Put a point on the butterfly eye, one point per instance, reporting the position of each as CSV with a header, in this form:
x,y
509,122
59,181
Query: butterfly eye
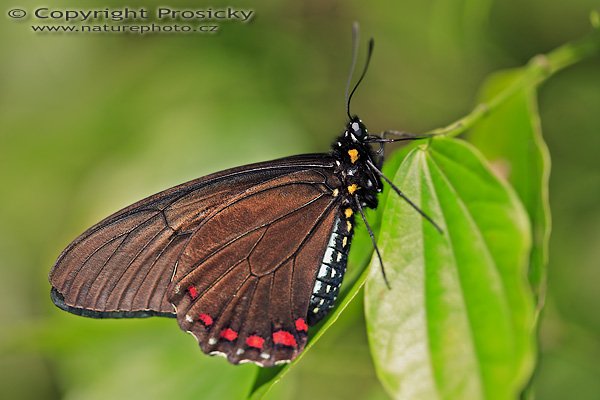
x,y
357,129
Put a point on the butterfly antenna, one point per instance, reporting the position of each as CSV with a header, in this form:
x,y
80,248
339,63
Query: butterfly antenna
x,y
355,37
372,235
409,201
365,68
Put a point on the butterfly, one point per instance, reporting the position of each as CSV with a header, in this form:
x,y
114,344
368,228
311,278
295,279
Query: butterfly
x,y
246,259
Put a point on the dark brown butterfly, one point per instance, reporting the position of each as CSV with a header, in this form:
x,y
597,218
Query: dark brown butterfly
x,y
245,259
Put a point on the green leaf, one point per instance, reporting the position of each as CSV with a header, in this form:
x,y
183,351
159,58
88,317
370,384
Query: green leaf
x,y
511,139
458,321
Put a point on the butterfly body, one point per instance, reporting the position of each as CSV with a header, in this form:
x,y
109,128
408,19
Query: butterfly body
x,y
357,183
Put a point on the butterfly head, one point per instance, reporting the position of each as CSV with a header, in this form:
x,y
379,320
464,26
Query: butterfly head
x,y
356,130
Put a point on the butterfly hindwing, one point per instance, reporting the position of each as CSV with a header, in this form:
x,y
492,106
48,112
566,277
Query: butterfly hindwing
x,y
245,293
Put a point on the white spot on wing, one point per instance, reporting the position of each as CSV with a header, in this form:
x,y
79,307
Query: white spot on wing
x,y
252,361
218,353
265,356
188,318
240,351
212,341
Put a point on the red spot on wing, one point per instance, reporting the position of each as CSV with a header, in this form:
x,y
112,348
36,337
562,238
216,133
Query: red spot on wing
x,y
229,334
193,292
285,338
301,325
255,341
206,319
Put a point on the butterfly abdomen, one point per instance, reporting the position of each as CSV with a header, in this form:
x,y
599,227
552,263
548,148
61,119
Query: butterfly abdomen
x,y
332,269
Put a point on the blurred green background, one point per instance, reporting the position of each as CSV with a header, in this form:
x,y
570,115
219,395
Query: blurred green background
x,y
92,122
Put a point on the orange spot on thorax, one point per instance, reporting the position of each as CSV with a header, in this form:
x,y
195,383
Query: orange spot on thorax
x,y
352,188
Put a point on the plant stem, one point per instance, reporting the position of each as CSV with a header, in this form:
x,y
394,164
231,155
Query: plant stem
x,y
538,70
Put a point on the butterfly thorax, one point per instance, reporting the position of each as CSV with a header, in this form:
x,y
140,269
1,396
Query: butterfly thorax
x,y
354,154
